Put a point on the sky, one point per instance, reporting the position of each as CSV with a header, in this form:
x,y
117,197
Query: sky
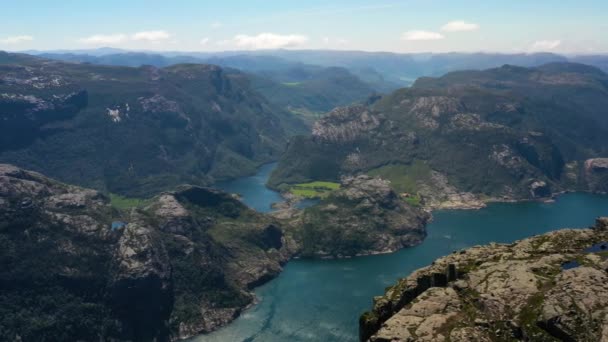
x,y
560,26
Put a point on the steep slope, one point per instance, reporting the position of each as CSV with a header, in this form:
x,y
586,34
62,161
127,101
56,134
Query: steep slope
x,y
75,268
315,91
507,133
135,130
551,287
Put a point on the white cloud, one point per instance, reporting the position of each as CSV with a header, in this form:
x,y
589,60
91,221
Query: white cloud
x,y
151,36
421,35
544,45
459,26
204,41
16,39
216,25
269,41
335,41
105,39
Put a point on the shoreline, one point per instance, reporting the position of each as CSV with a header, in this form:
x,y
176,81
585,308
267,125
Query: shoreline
x,y
256,300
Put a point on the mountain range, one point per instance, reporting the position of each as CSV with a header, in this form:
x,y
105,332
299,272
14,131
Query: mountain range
x,y
136,131
502,133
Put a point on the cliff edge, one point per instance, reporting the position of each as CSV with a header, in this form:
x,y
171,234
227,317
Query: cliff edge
x,y
552,287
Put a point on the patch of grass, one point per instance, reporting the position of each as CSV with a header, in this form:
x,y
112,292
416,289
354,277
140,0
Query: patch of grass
x,y
314,189
309,115
403,178
414,201
124,203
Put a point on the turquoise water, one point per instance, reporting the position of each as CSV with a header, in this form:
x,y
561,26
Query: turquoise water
x,y
321,300
253,190
255,194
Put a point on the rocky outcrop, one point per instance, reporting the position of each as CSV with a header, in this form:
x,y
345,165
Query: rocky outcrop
x,y
545,288
182,265
345,124
364,217
596,174
141,284
438,193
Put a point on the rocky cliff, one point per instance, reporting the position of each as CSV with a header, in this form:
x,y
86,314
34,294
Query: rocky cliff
x,y
552,287
135,131
364,217
508,133
75,268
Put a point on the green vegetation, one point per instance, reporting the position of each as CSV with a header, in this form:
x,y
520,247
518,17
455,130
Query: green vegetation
x,y
292,84
125,203
314,189
413,200
134,136
481,138
403,178
317,89
306,114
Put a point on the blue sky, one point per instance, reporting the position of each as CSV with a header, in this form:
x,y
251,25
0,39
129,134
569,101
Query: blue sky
x,y
402,26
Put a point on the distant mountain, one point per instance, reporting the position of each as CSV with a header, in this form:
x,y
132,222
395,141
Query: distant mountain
x,y
132,59
403,69
598,61
395,68
303,87
139,130
508,133
299,87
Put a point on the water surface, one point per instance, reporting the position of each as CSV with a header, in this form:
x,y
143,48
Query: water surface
x,y
253,190
320,300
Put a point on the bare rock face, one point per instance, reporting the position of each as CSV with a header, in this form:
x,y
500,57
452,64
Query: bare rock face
x,y
429,109
141,283
596,174
438,193
546,288
364,217
345,124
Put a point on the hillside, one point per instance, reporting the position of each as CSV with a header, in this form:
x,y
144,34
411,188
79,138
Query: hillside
x,y
364,216
550,287
299,87
136,131
504,133
76,267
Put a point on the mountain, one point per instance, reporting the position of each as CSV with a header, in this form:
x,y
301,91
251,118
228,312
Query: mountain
x,y
132,59
458,140
75,267
598,61
136,131
295,86
551,287
78,265
403,69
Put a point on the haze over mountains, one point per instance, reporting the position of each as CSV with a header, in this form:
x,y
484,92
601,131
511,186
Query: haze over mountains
x,y
402,69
